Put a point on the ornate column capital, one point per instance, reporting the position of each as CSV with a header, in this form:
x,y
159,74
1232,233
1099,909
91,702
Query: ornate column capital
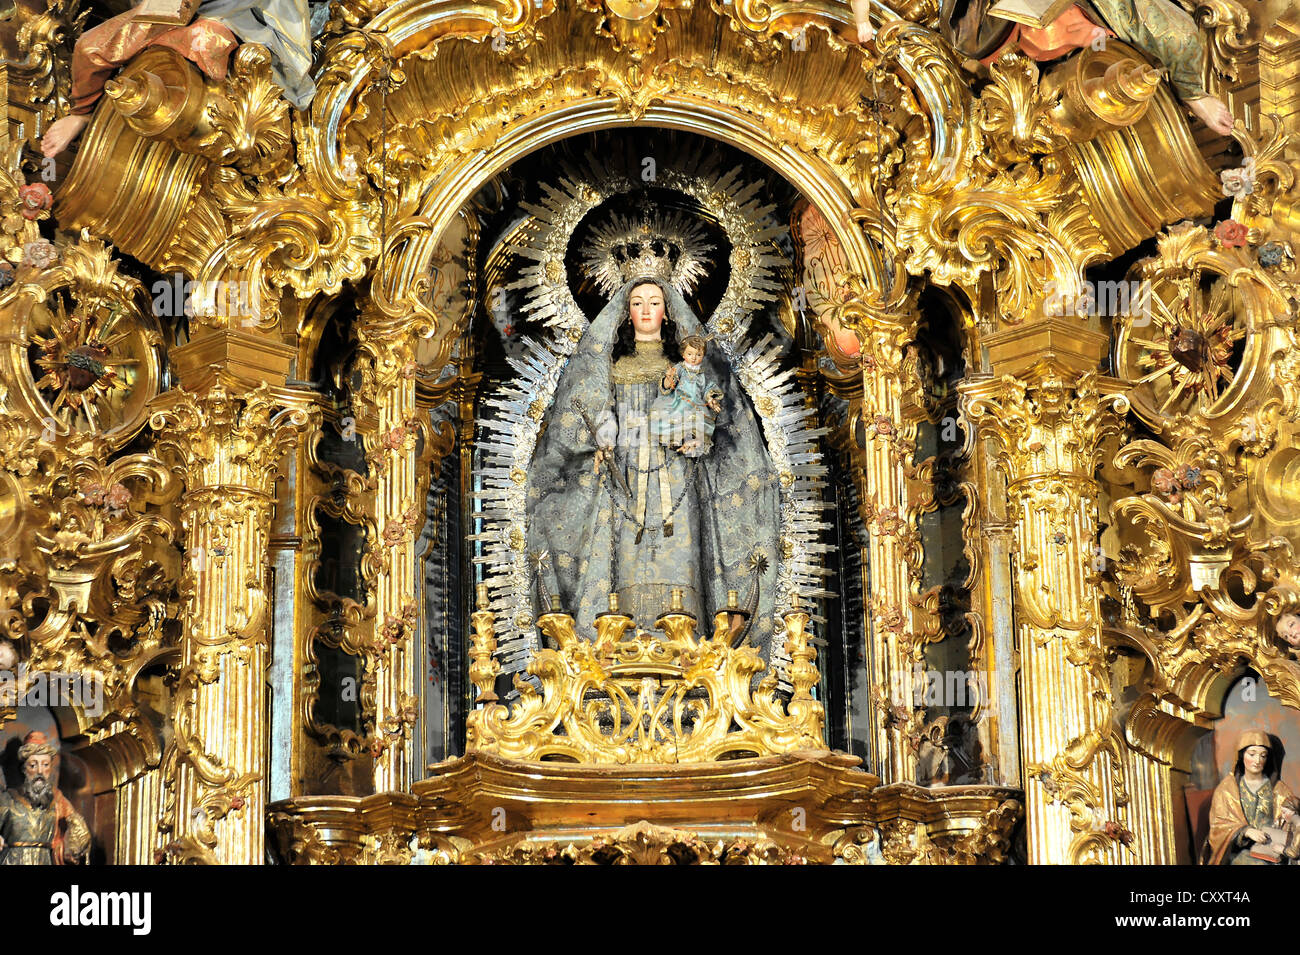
x,y
1050,420
223,437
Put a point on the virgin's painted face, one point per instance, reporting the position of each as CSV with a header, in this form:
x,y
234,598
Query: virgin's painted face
x,y
1254,758
646,309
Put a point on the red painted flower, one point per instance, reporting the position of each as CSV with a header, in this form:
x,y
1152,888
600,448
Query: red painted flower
x,y
92,493
394,439
236,802
1118,832
392,629
1231,234
36,199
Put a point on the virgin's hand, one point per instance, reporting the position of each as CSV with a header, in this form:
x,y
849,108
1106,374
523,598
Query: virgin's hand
x,y
1255,835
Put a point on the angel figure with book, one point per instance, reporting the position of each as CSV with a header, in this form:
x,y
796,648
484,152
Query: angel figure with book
x,y
1253,813
981,30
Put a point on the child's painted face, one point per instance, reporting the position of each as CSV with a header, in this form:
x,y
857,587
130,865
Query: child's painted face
x,y
692,354
1288,628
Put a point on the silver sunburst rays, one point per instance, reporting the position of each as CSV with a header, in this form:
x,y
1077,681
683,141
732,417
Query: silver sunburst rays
x,y
512,418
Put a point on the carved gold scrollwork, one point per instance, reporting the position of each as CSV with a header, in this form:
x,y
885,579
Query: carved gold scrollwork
x,y
86,351
639,698
1186,316
109,562
1227,22
37,77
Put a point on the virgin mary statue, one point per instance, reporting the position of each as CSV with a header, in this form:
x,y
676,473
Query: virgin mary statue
x,y
622,502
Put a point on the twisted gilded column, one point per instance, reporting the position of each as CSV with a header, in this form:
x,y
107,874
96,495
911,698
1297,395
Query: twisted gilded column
x,y
388,422
227,441
1045,423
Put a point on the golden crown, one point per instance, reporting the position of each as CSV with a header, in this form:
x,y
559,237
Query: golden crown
x,y
671,249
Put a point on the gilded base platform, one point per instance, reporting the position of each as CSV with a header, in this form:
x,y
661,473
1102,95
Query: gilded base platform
x,y
803,807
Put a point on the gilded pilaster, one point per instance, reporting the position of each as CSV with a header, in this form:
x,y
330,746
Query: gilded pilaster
x,y
1047,422
1156,763
228,443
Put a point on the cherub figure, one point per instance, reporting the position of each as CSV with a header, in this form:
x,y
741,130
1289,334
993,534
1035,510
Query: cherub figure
x,y
684,414
207,33
1288,628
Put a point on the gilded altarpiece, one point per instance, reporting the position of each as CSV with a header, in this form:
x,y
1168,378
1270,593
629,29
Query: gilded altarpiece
x,y
317,483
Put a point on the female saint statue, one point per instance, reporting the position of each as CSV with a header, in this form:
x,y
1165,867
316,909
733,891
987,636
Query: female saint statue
x,y
620,503
1247,803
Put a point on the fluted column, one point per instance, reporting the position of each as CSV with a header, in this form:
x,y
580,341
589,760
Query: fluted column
x,y
228,442
1047,422
390,427
139,800
1157,759
1152,810
884,329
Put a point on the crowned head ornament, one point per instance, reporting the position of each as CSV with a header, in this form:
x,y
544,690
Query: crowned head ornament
x,y
667,248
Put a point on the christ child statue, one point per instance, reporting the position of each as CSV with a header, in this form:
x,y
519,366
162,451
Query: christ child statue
x,y
684,414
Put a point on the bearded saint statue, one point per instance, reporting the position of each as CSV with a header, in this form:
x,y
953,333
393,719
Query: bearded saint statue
x,y
38,826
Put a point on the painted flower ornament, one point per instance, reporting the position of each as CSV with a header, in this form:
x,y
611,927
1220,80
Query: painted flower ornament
x,y
1231,234
40,254
36,200
1237,182
1272,254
